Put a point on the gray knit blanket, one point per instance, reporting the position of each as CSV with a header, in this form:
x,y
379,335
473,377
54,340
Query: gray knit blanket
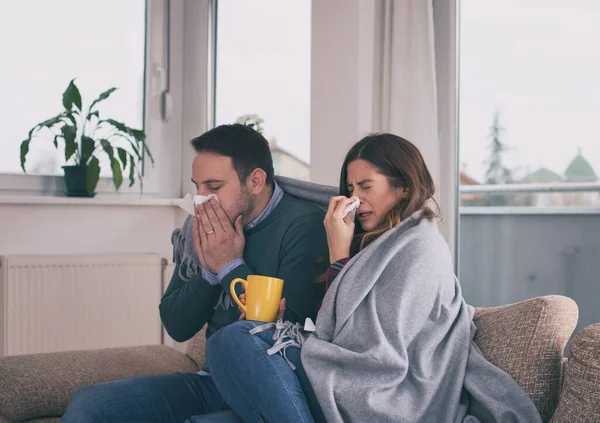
x,y
394,341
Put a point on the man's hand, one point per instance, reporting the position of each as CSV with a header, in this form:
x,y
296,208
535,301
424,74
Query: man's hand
x,y
243,301
219,242
197,244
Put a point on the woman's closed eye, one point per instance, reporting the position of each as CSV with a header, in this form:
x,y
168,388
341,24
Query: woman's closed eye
x,y
351,190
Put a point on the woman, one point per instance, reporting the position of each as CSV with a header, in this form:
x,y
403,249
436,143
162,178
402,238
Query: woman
x,y
394,337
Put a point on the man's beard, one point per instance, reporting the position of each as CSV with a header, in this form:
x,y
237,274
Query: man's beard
x,y
243,206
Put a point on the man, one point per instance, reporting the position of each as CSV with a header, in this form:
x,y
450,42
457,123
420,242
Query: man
x,y
253,228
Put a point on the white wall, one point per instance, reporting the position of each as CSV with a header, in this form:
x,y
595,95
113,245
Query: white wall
x,y
86,229
96,228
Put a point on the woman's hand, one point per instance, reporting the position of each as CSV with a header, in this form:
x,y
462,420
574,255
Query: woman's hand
x,y
243,301
340,230
281,310
279,313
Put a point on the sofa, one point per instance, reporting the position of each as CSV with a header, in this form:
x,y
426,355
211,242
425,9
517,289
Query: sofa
x,y
526,339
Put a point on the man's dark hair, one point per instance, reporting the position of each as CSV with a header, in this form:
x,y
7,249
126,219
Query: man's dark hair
x,y
247,148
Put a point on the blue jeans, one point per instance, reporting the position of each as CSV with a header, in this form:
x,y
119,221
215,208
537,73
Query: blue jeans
x,y
160,398
257,386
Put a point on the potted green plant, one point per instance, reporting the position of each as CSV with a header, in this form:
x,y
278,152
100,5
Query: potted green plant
x,y
85,137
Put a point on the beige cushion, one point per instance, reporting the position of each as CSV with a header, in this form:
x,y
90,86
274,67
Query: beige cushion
x,y
195,347
580,398
527,340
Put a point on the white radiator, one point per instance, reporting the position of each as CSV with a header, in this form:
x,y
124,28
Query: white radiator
x,y
71,302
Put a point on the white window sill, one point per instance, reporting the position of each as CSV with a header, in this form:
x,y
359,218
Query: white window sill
x,y
99,200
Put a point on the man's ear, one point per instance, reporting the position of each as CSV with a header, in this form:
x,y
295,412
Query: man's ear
x,y
257,181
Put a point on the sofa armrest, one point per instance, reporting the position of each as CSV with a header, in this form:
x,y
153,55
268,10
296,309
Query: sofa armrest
x,y
580,396
39,385
527,341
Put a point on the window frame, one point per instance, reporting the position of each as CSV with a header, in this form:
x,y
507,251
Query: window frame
x,y
446,25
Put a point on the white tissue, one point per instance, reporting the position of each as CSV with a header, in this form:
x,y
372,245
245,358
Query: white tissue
x,y
187,202
309,325
351,208
199,199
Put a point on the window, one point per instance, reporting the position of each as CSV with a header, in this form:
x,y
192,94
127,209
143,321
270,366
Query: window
x,y
47,43
529,106
529,99
263,73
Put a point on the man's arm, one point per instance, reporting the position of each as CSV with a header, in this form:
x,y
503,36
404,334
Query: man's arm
x,y
187,306
304,257
304,244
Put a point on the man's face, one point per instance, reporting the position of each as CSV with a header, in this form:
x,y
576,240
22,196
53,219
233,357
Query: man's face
x,y
214,174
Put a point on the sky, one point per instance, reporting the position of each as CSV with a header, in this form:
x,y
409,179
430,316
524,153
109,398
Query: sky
x,y
538,63
535,61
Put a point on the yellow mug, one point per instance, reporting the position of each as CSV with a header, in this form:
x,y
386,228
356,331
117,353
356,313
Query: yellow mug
x,y
263,294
